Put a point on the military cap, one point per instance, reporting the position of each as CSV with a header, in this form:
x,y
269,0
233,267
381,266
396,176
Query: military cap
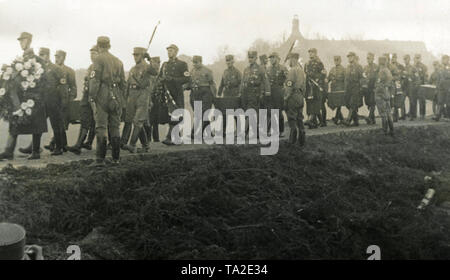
x,y
44,51
406,56
312,50
445,57
103,42
61,53
382,59
196,58
294,56
139,50
351,54
172,46
394,55
94,48
12,241
417,55
274,54
25,35
156,59
370,54
337,57
229,57
263,57
252,54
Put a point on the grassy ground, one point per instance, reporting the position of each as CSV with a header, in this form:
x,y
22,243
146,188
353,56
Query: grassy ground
x,y
334,198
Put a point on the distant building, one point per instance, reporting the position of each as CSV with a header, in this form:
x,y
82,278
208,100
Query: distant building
x,y
329,48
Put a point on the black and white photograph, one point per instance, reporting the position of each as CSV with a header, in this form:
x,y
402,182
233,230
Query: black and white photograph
x,y
224,135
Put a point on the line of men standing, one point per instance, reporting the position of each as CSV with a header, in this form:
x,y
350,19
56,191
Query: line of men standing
x,y
151,93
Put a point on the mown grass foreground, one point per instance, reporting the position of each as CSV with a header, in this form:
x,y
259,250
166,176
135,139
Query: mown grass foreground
x,y
331,199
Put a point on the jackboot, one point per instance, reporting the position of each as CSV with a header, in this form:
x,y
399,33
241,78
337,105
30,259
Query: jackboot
x,y
126,132
36,147
168,140
51,145
323,118
63,140
144,141
293,135
8,153
90,139
115,143
76,149
301,138
100,152
391,127
384,125
27,150
395,115
133,140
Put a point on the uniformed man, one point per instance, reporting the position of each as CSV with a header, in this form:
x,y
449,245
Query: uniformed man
x,y
229,84
336,80
87,123
203,88
106,84
55,79
368,87
152,129
433,81
443,88
254,84
421,79
277,74
174,74
315,90
353,77
231,79
383,95
69,90
294,100
139,98
399,95
409,78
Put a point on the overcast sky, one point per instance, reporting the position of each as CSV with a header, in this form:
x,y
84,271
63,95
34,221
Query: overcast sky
x,y
201,27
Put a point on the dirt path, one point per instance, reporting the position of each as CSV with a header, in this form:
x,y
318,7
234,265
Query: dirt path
x,y
158,148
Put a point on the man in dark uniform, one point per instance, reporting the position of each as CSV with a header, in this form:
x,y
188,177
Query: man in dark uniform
x,y
231,79
139,98
106,84
174,74
421,79
315,92
152,126
294,100
203,87
277,74
353,77
433,81
69,91
368,87
443,88
87,123
254,84
38,123
409,78
399,95
336,79
383,95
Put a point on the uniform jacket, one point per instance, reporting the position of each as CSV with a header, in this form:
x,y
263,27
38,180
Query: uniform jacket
x,y
336,78
231,80
255,79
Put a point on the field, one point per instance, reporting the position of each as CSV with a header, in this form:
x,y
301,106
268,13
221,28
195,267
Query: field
x,y
329,200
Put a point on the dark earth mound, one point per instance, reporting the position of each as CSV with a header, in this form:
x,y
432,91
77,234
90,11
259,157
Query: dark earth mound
x,y
333,199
